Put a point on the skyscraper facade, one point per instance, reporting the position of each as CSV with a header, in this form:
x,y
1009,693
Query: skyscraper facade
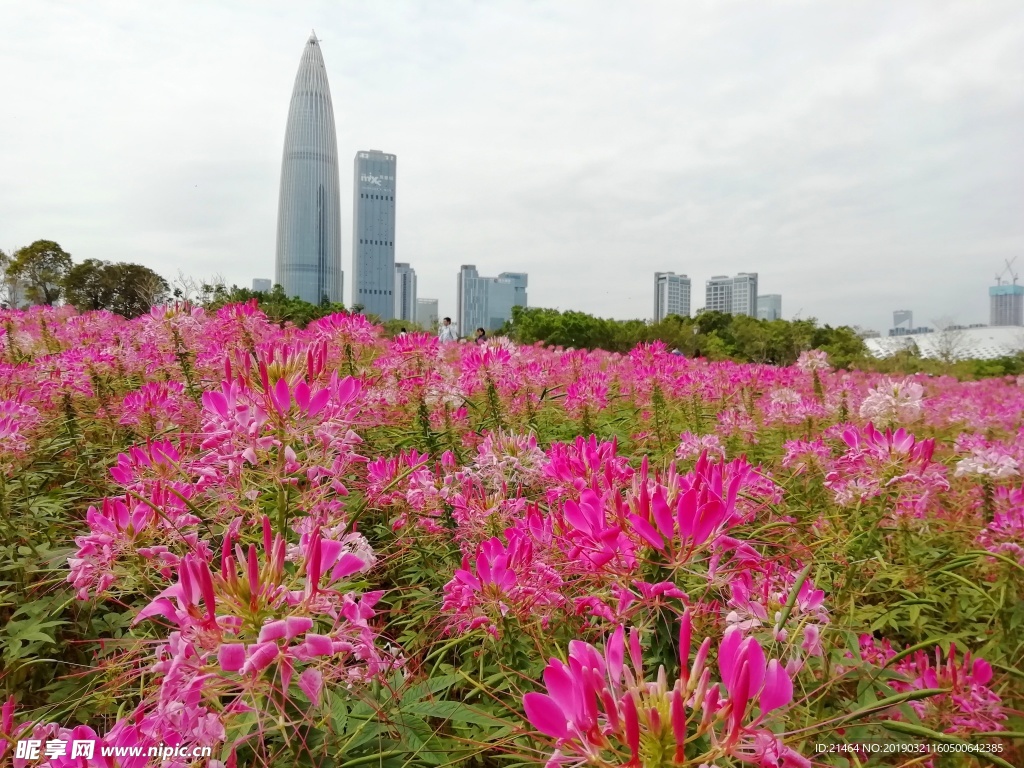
x,y
1006,305
465,295
744,294
260,284
769,307
732,295
308,263
405,293
426,313
902,318
671,295
486,302
373,233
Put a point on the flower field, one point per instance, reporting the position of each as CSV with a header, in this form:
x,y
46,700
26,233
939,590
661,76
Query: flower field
x,y
322,547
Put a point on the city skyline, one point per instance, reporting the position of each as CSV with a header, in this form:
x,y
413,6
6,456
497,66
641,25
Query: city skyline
x,y
859,156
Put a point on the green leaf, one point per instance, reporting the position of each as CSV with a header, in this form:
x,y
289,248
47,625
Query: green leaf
x,y
888,702
419,736
454,711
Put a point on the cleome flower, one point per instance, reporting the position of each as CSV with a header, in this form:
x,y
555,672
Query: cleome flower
x,y
971,705
893,401
502,581
601,711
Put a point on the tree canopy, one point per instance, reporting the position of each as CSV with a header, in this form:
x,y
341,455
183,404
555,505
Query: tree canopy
x,y
275,304
713,335
41,269
130,290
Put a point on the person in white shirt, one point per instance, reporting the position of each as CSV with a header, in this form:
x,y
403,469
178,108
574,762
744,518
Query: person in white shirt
x,y
446,332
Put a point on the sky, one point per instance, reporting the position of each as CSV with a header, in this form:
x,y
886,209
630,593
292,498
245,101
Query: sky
x,y
861,156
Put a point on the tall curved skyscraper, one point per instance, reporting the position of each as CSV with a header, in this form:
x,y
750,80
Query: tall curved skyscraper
x,y
309,209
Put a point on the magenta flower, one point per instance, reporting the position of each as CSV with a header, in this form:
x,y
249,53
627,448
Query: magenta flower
x,y
501,581
599,709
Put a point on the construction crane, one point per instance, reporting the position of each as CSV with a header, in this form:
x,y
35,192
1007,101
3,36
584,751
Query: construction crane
x,y
1007,270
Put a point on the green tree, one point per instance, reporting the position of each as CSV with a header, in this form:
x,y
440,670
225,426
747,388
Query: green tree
x,y
8,284
714,335
136,289
87,286
41,267
130,290
275,304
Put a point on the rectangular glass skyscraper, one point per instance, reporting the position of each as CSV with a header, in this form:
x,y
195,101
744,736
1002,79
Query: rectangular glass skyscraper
x,y
486,302
426,313
373,234
1006,305
732,295
769,306
405,293
671,295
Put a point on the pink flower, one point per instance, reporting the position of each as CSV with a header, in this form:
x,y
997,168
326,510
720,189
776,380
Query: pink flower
x,y
501,581
311,681
231,656
597,703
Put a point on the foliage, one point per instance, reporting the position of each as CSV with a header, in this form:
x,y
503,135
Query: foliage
x,y
714,335
323,546
129,290
42,268
278,307
720,336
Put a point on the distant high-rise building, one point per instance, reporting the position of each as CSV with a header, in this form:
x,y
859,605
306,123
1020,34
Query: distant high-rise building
x,y
258,284
308,263
405,292
732,295
373,233
1006,305
902,319
426,313
486,302
718,294
671,295
769,306
465,294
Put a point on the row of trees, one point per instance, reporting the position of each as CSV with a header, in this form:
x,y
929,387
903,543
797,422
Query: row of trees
x,y
44,273
713,335
719,336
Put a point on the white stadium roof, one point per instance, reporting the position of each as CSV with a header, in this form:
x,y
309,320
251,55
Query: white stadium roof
x,y
963,344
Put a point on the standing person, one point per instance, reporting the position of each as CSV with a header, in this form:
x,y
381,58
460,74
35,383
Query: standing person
x,y
481,336
446,332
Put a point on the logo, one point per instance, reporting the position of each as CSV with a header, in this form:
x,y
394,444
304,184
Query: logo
x,y
375,180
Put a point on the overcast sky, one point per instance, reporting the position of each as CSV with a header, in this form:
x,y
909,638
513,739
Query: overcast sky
x,y
860,156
